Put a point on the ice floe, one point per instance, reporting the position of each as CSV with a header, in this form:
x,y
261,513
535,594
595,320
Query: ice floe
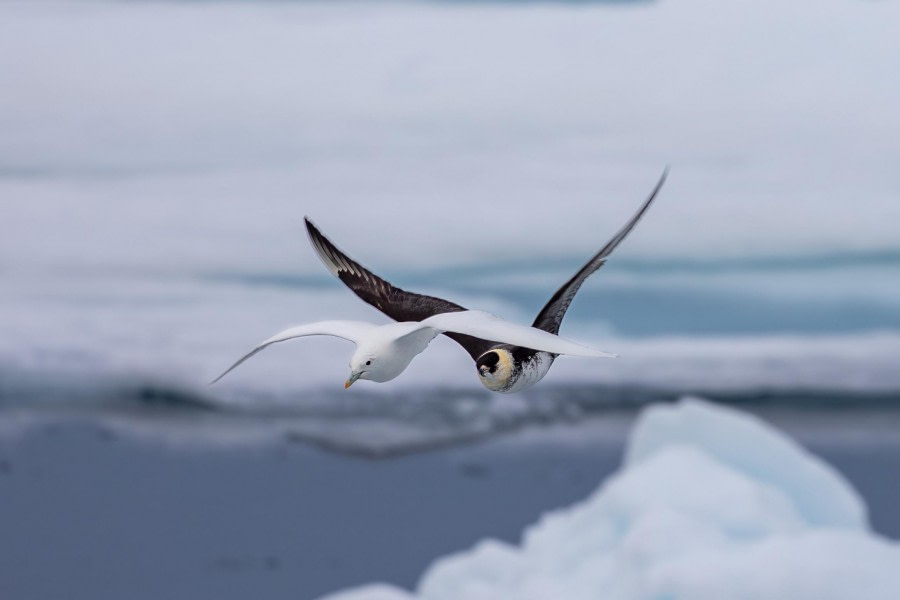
x,y
710,503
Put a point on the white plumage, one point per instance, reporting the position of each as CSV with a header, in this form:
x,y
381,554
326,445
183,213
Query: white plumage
x,y
384,351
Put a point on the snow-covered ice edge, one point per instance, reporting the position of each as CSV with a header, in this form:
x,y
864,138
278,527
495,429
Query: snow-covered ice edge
x,y
710,503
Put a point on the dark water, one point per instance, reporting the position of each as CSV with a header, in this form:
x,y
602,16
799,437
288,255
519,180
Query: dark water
x,y
86,512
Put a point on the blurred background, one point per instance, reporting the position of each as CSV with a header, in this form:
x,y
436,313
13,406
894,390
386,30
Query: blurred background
x,y
156,163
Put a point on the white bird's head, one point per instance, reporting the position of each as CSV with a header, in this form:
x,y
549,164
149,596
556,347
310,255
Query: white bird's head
x,y
360,368
376,363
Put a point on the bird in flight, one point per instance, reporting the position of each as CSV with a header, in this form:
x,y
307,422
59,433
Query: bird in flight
x,y
504,364
508,357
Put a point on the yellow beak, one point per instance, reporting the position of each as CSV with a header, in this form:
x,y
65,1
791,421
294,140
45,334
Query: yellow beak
x,y
353,377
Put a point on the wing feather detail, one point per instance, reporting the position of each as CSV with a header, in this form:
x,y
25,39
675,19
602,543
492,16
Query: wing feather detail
x,y
396,303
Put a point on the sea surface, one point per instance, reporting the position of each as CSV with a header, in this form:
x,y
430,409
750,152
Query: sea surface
x,y
156,163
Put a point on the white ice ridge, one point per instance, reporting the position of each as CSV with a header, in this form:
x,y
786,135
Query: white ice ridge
x,y
710,504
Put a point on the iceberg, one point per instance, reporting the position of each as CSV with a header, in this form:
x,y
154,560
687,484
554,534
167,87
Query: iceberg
x,y
709,504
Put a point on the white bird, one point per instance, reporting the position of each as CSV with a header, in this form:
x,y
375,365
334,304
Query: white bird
x,y
384,351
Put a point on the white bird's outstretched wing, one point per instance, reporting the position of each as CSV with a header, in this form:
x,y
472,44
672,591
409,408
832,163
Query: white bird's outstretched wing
x,y
348,330
491,327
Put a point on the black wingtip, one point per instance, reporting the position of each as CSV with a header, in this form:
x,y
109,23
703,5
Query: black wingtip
x,y
650,198
219,377
312,232
662,179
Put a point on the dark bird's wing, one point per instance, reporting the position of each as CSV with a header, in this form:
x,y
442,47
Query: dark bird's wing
x,y
396,303
551,316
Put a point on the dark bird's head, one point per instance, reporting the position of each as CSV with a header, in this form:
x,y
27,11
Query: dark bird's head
x,y
495,368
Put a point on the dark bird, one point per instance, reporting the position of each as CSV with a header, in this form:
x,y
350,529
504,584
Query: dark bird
x,y
501,367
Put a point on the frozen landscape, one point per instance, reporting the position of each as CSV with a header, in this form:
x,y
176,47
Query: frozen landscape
x,y
709,504
156,163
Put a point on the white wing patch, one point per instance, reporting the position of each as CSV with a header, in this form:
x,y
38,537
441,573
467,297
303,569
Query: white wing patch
x,y
491,327
352,331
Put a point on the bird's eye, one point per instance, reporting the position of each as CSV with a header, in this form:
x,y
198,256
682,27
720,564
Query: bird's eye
x,y
368,362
